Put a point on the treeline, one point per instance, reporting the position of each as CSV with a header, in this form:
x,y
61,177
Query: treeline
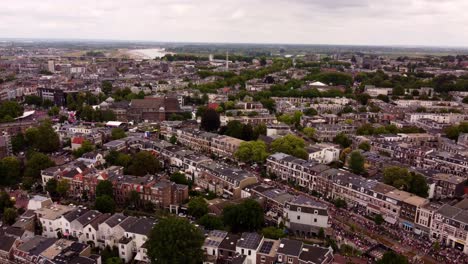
x,y
244,76
443,83
9,110
369,129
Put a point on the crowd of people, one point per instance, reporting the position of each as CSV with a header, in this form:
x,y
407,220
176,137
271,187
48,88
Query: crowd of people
x,y
404,240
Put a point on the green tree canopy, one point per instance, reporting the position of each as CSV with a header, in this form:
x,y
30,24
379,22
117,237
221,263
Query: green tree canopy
x,y
273,232
175,240
51,188
402,178
291,145
309,132
86,147
36,163
343,140
179,178
104,188
210,120
10,110
9,216
5,201
10,169
252,151
246,216
105,204
365,146
43,138
356,162
118,133
197,207
144,163
211,222
63,187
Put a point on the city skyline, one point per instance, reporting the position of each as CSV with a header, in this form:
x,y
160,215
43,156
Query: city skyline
x,y
357,22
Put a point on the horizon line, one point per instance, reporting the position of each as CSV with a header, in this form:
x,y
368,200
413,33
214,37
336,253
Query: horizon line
x,y
401,46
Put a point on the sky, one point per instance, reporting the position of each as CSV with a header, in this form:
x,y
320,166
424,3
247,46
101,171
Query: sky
x,y
346,22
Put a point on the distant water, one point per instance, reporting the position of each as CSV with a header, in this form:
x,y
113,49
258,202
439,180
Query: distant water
x,y
149,53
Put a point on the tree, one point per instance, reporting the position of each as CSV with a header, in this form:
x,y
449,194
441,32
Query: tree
x,y
10,110
273,232
104,188
118,133
252,151
18,142
179,178
51,188
86,147
291,145
356,162
310,112
365,146
106,87
391,257
210,120
33,100
53,111
343,140
321,233
36,163
340,203
9,216
378,219
10,169
175,240
5,201
401,178
43,137
133,199
309,132
234,129
246,216
465,100
144,163
363,98
63,187
114,260
105,204
173,139
211,222
197,207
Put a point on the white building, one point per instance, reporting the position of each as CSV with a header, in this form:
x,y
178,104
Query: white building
x,y
51,219
248,245
304,216
323,153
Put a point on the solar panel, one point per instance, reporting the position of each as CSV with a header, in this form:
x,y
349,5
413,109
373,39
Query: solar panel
x,y
266,247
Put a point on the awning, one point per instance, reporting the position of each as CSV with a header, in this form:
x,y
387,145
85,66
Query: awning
x,y
390,220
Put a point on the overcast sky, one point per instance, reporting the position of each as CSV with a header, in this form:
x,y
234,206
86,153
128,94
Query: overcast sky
x,y
374,22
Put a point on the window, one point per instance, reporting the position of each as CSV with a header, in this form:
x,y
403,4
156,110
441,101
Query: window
x,y
123,253
250,252
298,217
242,251
122,246
315,220
290,260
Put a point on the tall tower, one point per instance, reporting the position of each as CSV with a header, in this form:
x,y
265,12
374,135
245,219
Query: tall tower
x,y
227,60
